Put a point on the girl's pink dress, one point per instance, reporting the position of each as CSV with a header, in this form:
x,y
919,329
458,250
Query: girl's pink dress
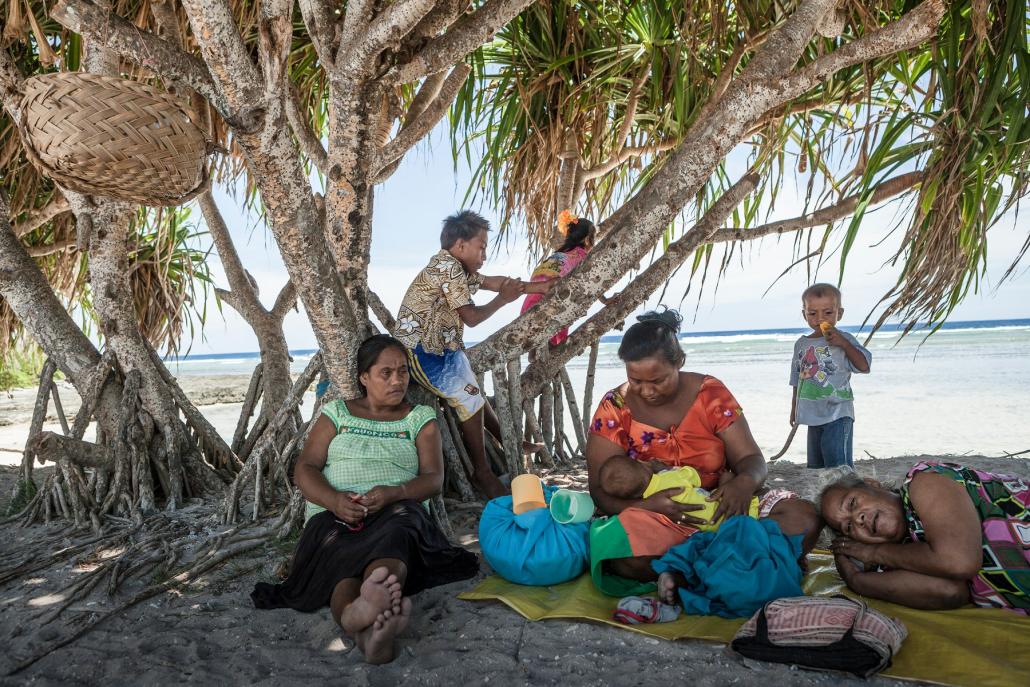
x,y
554,266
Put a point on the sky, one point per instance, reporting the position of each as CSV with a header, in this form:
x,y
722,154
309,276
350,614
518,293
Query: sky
x,y
411,205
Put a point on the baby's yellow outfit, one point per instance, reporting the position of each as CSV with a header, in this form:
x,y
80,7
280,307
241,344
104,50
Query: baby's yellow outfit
x,y
688,478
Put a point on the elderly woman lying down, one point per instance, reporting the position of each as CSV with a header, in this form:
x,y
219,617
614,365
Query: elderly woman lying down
x,y
952,535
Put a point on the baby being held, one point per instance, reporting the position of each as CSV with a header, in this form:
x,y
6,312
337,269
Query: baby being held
x,y
626,478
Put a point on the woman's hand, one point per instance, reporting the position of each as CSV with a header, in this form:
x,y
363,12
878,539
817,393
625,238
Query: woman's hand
x,y
866,553
848,571
734,497
376,498
348,508
661,502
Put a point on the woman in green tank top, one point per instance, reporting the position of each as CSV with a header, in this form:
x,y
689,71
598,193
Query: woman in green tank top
x,y
367,469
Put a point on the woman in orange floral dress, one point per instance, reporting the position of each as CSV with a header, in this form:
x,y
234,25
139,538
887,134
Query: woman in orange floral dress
x,y
679,418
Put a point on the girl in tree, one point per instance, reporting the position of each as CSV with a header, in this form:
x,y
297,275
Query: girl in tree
x,y
579,239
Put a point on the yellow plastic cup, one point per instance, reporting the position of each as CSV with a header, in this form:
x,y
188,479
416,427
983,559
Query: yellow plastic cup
x,y
568,507
527,493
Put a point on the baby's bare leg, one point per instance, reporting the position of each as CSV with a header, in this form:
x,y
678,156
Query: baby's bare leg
x,y
638,568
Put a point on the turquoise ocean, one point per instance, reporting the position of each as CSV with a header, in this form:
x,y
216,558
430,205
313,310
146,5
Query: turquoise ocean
x,y
965,389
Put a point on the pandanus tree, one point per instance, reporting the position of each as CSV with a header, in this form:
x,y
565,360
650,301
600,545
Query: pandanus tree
x,y
629,109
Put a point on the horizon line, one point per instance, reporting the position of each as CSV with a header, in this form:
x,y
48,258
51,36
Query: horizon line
x,y
609,338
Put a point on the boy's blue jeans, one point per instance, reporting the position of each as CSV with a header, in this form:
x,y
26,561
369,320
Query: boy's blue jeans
x,y
829,445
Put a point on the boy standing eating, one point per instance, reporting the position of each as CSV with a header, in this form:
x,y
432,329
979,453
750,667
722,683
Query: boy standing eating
x,y
431,323
821,376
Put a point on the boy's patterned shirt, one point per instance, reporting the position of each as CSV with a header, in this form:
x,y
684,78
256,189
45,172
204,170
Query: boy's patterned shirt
x,y
428,314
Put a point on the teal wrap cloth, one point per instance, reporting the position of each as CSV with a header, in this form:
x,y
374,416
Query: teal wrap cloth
x,y
733,571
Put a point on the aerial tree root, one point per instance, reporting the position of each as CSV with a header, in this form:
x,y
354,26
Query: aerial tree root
x,y
265,450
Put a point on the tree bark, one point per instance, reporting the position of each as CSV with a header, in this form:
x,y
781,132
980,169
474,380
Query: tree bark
x,y
244,299
27,292
112,299
54,447
588,386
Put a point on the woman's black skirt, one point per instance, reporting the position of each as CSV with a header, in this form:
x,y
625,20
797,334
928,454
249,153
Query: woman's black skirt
x,y
329,552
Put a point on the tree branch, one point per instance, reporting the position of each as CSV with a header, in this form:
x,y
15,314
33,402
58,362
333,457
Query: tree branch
x,y
228,62
427,92
914,28
621,153
58,205
425,96
637,292
785,45
388,27
167,21
309,142
141,47
832,213
284,302
50,249
321,24
464,36
622,156
355,22
414,130
275,35
631,109
382,313
243,297
438,19
722,81
10,86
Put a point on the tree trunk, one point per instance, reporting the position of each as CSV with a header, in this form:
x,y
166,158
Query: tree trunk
x,y
27,291
297,227
112,298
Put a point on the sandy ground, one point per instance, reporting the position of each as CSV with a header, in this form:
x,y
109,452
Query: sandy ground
x,y
209,633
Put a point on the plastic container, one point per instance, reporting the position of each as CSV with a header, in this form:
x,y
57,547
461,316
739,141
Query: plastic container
x,y
527,493
569,506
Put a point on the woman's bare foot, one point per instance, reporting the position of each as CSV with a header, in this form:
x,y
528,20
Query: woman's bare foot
x,y
488,484
376,642
668,583
376,596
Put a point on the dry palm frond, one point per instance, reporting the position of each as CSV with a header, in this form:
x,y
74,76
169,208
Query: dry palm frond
x,y
169,277
978,162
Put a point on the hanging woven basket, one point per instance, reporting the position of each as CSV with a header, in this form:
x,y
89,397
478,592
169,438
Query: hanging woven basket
x,y
113,137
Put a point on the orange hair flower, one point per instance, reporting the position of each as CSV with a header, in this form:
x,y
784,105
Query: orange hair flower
x,y
565,218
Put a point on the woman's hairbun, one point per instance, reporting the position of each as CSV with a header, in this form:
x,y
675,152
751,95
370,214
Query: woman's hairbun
x,y
656,333
667,316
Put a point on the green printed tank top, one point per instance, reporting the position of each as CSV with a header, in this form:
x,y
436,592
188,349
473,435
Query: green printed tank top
x,y
370,453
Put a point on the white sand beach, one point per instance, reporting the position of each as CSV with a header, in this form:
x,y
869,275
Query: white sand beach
x,y
208,632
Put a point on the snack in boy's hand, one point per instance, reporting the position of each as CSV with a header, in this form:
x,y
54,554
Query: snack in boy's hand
x,y
825,327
